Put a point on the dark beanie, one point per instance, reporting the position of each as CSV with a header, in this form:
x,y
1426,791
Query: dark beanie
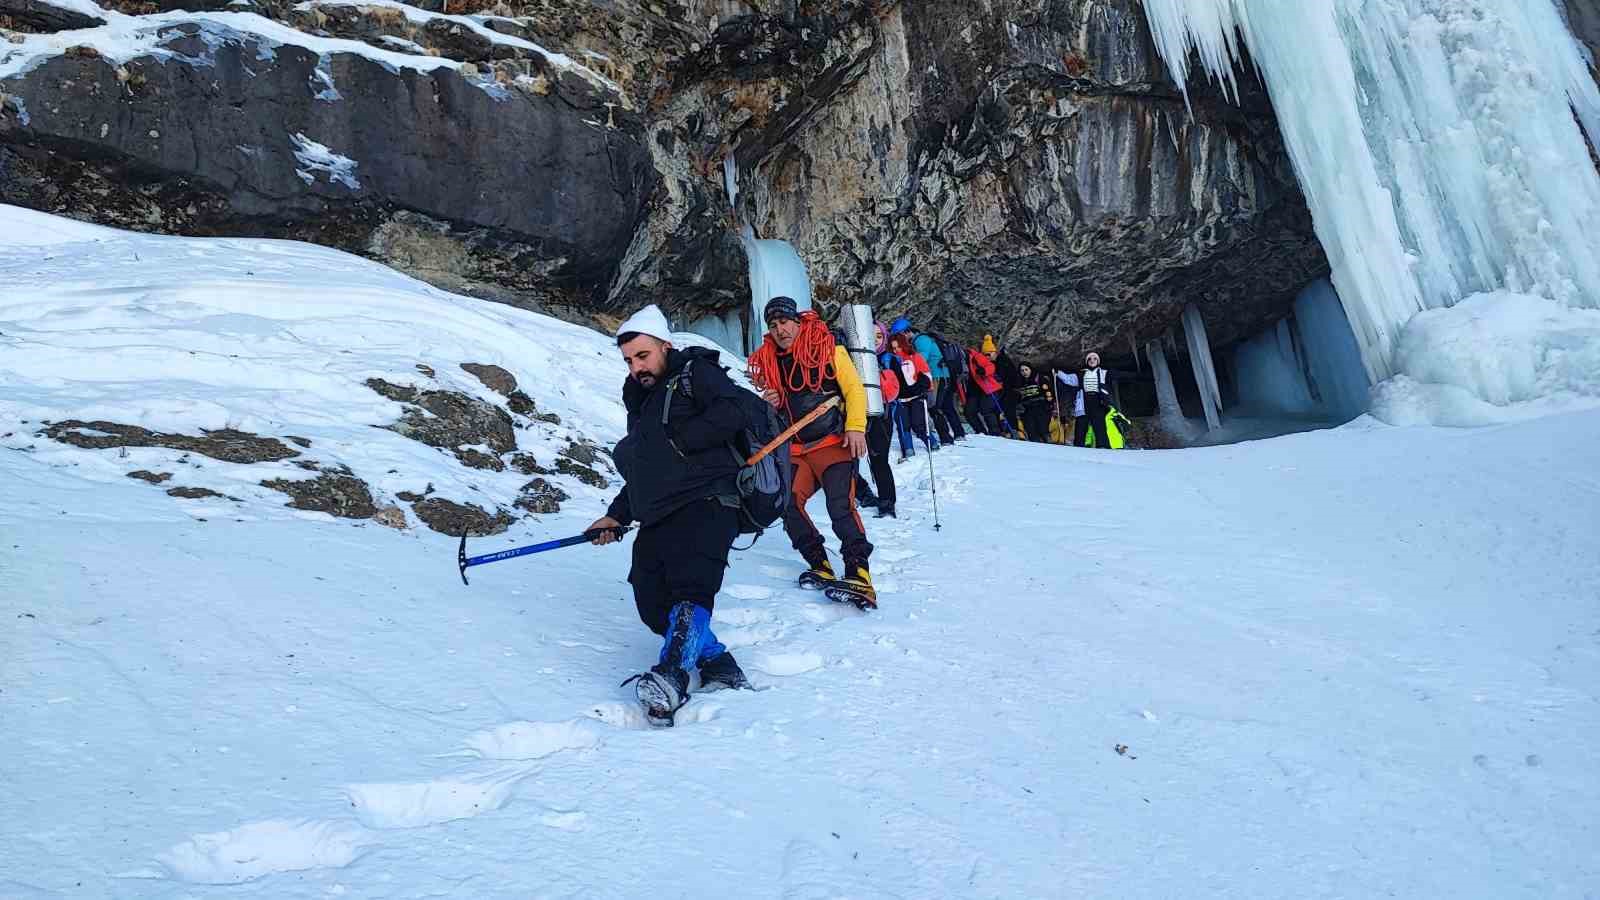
x,y
780,308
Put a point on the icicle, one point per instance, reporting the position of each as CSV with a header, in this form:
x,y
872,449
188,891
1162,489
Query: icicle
x,y
730,180
1133,345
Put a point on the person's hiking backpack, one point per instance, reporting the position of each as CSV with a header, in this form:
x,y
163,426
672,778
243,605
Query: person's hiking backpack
x,y
764,488
955,356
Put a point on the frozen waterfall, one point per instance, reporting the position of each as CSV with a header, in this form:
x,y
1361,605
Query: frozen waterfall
x,y
776,270
1435,140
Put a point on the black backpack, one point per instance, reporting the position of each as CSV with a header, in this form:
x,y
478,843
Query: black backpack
x,y
764,488
955,355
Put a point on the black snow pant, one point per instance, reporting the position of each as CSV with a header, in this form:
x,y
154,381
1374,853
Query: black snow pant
x,y
1008,408
974,412
831,470
945,418
1094,417
916,409
681,559
880,437
1036,419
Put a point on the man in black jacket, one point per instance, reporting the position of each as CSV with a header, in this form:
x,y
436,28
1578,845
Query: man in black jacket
x,y
680,487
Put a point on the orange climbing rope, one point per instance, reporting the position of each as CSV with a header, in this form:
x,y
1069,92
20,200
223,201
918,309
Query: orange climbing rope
x,y
812,351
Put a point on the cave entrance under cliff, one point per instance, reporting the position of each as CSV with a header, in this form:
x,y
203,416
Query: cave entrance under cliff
x,y
1302,372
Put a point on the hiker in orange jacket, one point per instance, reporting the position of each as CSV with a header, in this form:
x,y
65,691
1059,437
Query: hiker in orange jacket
x,y
798,367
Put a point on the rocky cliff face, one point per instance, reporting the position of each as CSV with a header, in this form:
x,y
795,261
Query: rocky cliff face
x,y
1584,17
1017,166
1026,167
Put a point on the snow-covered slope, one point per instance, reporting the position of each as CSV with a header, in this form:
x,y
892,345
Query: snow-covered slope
x,y
278,339
1358,662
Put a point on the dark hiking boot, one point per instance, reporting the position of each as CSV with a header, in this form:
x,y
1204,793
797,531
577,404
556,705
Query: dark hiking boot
x,y
885,512
866,499
855,587
662,691
721,672
820,575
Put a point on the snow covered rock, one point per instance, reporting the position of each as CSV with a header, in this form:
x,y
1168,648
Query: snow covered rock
x,y
40,16
219,123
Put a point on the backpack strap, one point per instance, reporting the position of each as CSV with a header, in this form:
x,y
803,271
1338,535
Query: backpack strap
x,y
676,384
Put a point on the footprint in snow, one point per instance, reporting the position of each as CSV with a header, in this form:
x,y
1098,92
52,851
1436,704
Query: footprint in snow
x,y
740,636
446,799
747,592
531,740
262,848
565,820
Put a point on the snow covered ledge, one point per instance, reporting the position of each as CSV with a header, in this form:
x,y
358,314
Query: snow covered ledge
x,y
233,123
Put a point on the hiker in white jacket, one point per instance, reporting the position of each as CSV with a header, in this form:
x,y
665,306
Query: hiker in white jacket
x,y
1092,400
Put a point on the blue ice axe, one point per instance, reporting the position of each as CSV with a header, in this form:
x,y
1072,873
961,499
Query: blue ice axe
x,y
465,562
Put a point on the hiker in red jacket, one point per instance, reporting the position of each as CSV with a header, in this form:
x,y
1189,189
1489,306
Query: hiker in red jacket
x,y
983,402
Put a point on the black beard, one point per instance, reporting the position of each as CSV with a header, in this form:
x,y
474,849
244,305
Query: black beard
x,y
646,380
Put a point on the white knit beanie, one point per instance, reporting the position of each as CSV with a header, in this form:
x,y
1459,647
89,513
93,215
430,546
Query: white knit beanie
x,y
650,320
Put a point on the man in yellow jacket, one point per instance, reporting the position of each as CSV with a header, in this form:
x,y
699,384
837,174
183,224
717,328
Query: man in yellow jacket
x,y
798,368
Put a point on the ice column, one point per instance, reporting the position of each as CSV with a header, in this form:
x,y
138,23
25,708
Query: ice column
x,y
1205,371
1166,393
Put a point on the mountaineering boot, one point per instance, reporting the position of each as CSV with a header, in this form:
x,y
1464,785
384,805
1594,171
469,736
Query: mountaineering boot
x,y
662,691
720,672
864,494
820,575
885,511
855,587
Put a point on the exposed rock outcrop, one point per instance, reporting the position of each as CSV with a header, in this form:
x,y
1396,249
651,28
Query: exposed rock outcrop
x,y
225,444
1018,166
337,493
1584,18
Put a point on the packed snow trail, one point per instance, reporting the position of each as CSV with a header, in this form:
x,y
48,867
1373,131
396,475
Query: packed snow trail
x,y
1346,663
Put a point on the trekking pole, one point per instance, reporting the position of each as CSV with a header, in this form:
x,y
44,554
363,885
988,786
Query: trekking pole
x,y
1055,391
933,485
465,562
